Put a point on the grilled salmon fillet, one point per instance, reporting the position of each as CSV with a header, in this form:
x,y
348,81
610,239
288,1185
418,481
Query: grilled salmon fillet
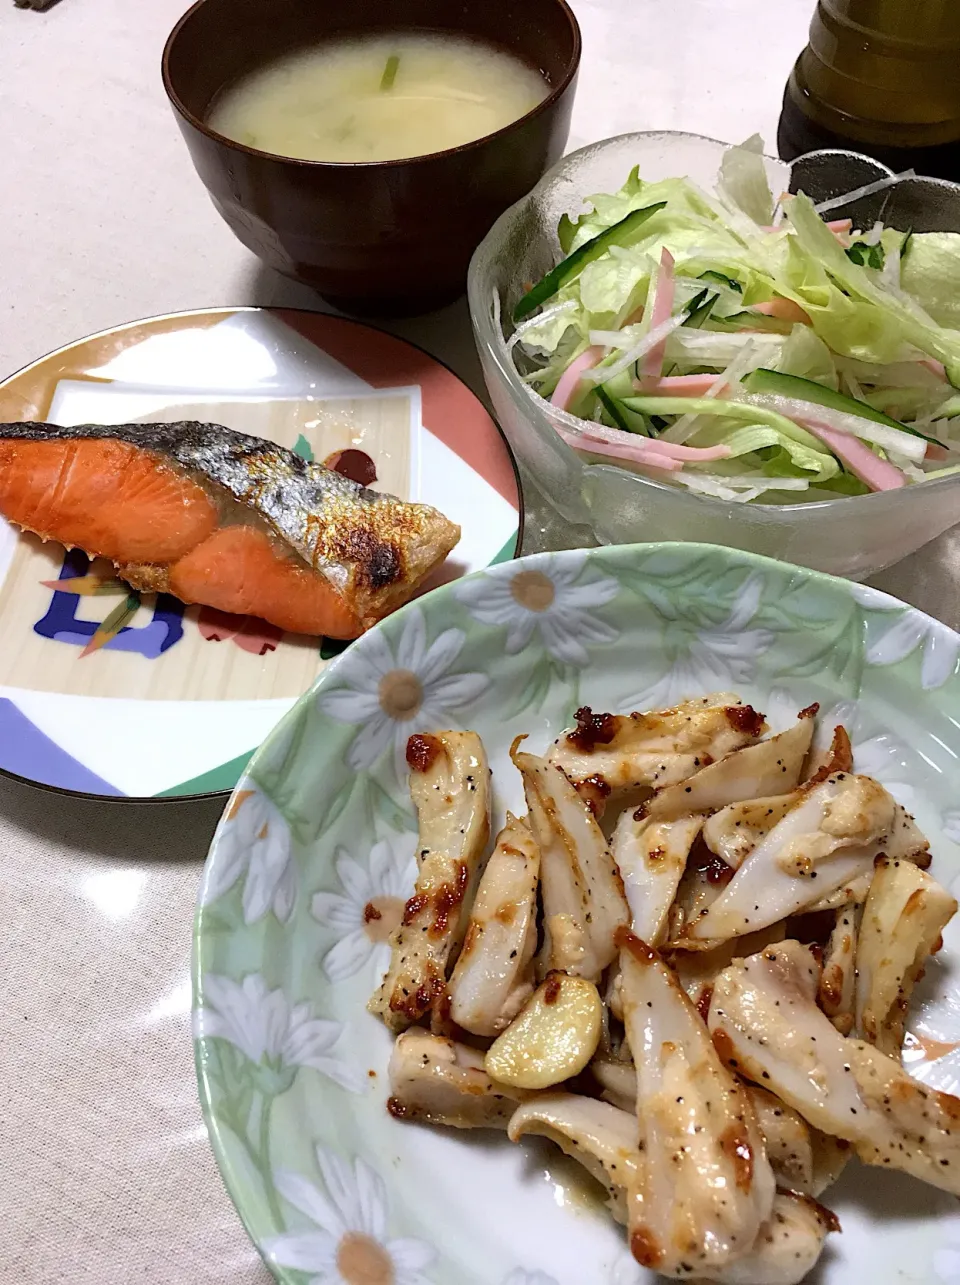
x,y
223,519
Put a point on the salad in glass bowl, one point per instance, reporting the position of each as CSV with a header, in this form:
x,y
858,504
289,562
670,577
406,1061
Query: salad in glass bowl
x,y
747,347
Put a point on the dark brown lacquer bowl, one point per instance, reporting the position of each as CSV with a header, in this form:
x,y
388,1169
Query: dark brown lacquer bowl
x,y
386,237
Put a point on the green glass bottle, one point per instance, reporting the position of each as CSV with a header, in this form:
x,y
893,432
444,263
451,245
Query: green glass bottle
x,y
881,77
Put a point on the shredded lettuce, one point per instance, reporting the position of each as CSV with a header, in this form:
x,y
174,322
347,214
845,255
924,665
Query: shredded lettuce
x,y
780,454
899,314
931,273
743,178
805,354
873,316
634,195
733,411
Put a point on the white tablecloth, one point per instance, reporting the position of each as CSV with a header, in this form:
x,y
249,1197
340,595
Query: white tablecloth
x,y
105,1172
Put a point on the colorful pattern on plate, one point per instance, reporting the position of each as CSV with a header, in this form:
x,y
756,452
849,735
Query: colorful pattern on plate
x,y
331,1185
137,718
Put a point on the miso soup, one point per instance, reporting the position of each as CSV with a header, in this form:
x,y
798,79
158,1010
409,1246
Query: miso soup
x,y
378,98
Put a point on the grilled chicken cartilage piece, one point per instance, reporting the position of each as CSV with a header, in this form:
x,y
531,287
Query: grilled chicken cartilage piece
x,y
493,977
450,787
786,1136
906,844
838,980
581,888
616,1082
734,831
766,1025
903,919
441,1082
702,884
612,754
602,1138
827,839
802,1159
838,757
697,970
707,1186
727,1090
652,856
771,766
788,1244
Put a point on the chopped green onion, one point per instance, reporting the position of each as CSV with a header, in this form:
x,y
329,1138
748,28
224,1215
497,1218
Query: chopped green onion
x,y
389,73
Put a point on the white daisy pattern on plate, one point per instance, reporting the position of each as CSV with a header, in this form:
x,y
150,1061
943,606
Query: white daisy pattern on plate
x,y
275,1035
371,905
553,596
254,838
708,657
519,1276
912,629
392,695
348,1244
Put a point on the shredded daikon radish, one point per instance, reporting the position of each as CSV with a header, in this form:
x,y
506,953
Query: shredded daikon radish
x,y
868,189
650,340
809,415
853,387
890,276
719,348
728,379
621,339
548,314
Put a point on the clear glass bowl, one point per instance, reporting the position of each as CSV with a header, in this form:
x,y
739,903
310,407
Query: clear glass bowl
x,y
851,536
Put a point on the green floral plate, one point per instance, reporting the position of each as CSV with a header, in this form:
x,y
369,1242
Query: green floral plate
x,y
291,1067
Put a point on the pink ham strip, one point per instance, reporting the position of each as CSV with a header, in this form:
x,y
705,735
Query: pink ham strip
x,y
672,450
937,367
878,474
679,385
567,383
691,454
648,446
937,452
662,310
638,451
783,309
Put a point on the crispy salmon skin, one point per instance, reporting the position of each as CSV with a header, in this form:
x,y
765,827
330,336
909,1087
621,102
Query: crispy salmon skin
x,y
223,519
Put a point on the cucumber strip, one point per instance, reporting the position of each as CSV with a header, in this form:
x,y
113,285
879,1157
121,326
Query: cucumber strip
x,y
699,309
613,410
710,275
807,390
571,266
653,406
